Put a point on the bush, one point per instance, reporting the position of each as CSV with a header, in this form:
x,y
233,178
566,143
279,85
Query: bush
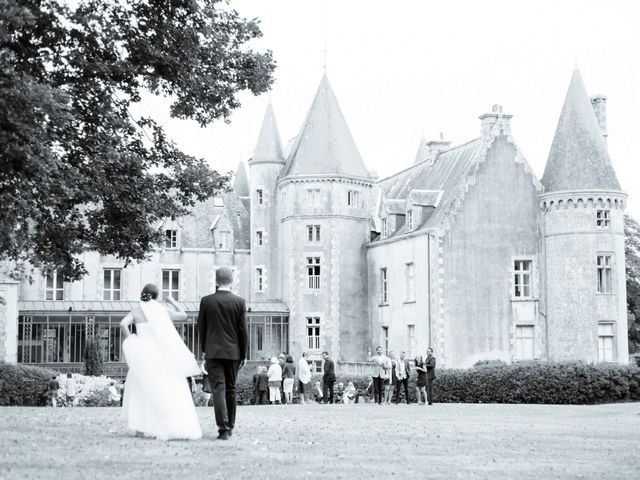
x,y
93,365
23,384
522,382
90,391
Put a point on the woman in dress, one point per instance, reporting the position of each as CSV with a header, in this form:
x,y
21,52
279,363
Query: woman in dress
x,y
157,401
288,374
275,377
421,383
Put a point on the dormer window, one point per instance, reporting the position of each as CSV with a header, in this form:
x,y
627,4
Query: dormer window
x,y
352,198
409,220
224,240
171,238
603,219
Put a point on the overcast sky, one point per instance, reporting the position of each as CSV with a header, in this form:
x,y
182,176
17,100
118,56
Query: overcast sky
x,y
403,68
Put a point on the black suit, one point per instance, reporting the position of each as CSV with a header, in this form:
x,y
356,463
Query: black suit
x,y
328,380
222,326
430,365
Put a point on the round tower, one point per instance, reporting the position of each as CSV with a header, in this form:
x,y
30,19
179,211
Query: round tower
x,y
265,167
324,196
582,220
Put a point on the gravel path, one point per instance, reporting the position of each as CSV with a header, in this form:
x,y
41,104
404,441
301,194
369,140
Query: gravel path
x,y
333,442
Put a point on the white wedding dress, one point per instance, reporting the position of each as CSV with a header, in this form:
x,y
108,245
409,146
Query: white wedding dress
x,y
157,399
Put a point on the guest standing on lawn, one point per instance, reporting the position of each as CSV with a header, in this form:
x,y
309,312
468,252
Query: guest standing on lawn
x,y
222,325
402,371
275,380
52,393
421,383
304,377
390,387
379,374
263,386
288,376
70,391
329,378
430,366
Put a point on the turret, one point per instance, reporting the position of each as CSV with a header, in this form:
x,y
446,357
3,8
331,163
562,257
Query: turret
x,y
582,220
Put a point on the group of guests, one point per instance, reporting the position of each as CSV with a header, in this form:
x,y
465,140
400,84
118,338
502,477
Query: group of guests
x,y
390,375
69,392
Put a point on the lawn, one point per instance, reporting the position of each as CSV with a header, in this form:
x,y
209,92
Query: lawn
x,y
333,442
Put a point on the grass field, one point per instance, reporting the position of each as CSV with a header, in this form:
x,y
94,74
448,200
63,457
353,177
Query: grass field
x,y
333,442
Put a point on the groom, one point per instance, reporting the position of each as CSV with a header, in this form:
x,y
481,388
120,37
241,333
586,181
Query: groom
x,y
222,326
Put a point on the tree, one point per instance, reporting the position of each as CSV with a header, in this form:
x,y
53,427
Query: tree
x,y
93,363
77,170
632,270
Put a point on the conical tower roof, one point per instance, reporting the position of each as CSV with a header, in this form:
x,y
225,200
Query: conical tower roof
x,y
578,159
241,182
268,149
324,144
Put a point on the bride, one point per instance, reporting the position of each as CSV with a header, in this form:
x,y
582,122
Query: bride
x,y
157,401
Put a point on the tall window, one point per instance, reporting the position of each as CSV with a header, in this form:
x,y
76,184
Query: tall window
x,y
384,297
224,240
409,219
171,284
259,279
606,338
385,339
313,272
385,228
259,196
313,333
522,278
411,339
171,239
410,273
352,198
313,233
602,218
259,238
54,286
313,197
112,284
604,273
525,348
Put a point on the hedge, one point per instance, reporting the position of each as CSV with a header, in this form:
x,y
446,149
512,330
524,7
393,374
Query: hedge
x,y
521,382
23,384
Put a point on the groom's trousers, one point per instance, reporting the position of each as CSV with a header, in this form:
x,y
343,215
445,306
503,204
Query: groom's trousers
x,y
222,378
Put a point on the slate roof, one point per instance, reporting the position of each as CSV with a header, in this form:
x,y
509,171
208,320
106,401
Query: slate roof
x,y
578,159
268,148
446,174
240,181
324,144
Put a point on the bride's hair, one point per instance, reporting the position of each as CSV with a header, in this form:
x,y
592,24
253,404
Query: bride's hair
x,y
150,291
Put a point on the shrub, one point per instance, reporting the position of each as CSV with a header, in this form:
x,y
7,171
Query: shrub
x,y
92,358
522,382
90,391
23,384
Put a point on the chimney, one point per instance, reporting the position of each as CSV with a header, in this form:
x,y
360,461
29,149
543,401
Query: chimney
x,y
496,118
599,104
437,146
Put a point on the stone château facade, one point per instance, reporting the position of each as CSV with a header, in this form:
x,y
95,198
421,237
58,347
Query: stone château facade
x,y
466,251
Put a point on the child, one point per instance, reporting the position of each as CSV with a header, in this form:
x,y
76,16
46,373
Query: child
x,y
317,392
263,386
70,390
275,377
52,393
349,393
114,396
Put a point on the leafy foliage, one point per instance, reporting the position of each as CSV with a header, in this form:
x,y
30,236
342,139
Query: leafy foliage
x,y
93,364
20,382
632,269
77,169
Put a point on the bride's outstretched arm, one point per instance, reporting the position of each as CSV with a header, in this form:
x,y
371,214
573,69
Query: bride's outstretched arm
x,y
124,325
178,314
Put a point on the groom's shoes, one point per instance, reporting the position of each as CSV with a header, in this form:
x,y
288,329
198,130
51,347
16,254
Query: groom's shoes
x,y
223,435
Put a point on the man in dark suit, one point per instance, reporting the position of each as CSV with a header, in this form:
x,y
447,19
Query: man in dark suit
x,y
222,326
403,370
430,363
328,379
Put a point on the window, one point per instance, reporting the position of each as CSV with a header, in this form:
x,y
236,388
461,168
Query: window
x,y
352,198
604,273
313,233
385,228
313,272
605,342
602,218
384,297
385,339
409,220
171,284
410,273
224,240
522,278
112,286
316,366
525,349
171,239
54,286
313,333
411,339
259,278
313,197
259,238
259,197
